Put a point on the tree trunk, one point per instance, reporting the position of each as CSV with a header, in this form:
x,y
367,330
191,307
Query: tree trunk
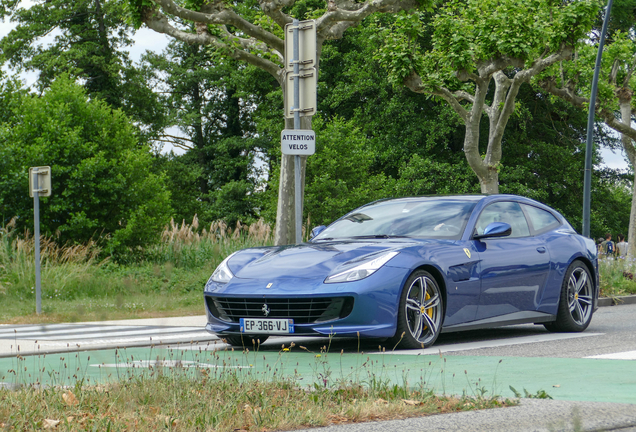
x,y
631,234
485,170
490,182
285,231
625,99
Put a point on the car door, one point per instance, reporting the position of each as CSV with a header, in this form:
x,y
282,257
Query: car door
x,y
513,269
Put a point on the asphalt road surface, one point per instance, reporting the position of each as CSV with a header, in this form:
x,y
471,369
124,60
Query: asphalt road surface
x,y
590,375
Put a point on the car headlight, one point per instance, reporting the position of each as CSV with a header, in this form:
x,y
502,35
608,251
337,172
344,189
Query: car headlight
x,y
222,274
361,271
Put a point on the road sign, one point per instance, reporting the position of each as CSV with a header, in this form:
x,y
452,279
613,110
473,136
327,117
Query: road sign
x,y
44,181
300,100
39,185
298,142
306,45
308,82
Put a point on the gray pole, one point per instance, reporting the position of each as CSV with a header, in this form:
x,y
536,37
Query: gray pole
x,y
36,240
587,180
297,195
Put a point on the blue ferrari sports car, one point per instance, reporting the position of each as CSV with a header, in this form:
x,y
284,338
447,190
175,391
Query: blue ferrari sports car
x,y
409,269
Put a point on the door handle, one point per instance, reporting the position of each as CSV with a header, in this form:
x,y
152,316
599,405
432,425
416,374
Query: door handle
x,y
541,249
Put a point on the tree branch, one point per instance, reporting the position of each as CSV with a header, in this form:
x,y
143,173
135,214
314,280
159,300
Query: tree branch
x,y
176,144
224,16
273,9
414,82
356,12
488,67
611,120
251,44
461,95
542,63
566,93
158,22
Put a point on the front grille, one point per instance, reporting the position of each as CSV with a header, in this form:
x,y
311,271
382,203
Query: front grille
x,y
301,310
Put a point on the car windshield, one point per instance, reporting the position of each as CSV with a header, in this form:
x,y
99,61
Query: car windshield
x,y
430,218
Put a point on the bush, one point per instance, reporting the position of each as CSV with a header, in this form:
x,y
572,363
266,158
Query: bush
x,y
102,179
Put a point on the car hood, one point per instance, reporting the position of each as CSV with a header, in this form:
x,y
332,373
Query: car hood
x,y
308,260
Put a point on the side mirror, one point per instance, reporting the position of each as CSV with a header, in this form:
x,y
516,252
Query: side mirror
x,y
495,229
317,230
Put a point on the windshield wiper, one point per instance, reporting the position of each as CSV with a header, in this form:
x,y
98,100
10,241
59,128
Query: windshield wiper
x,y
373,236
377,236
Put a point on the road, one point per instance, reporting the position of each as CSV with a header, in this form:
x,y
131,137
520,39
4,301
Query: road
x,y
590,375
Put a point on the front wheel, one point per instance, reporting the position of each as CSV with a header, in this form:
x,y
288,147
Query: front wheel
x,y
420,312
244,341
576,303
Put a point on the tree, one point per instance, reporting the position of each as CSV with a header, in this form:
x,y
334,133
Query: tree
x,y
476,57
615,104
252,32
211,102
89,38
102,179
418,141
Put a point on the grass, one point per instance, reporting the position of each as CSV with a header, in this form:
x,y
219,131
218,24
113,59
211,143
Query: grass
x,y
617,277
169,403
217,391
166,279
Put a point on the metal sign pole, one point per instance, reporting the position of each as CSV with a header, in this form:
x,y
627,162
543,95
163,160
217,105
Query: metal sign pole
x,y
297,194
589,143
36,240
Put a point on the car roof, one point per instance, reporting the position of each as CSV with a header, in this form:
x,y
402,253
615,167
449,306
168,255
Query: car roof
x,y
468,198
462,197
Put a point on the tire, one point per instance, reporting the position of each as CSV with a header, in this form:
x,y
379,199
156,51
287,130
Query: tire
x,y
576,302
244,341
420,312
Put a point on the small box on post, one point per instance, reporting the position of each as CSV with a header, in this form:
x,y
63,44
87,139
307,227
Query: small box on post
x,y
44,181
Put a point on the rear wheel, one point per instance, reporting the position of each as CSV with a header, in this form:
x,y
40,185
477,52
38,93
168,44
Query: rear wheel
x,y
420,312
576,301
246,341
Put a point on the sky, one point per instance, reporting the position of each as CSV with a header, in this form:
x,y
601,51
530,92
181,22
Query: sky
x,y
146,39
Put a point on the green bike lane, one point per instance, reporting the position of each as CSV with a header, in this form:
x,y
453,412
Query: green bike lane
x,y
572,379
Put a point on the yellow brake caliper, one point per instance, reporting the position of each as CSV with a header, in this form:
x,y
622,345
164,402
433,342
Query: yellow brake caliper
x,y
428,311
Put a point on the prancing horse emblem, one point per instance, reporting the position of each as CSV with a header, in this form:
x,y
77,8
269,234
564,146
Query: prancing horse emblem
x,y
467,252
265,309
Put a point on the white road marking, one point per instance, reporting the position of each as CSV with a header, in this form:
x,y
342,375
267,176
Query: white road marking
x,y
160,339
436,349
166,363
100,334
627,355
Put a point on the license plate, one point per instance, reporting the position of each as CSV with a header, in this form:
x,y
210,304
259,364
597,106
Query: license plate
x,y
267,325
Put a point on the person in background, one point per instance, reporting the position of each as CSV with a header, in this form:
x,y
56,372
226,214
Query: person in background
x,y
599,247
607,247
621,246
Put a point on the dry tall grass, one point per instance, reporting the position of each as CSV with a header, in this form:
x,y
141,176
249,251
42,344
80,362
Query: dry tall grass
x,y
14,249
219,232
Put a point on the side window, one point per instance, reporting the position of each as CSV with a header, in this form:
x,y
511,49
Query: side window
x,y
508,212
541,220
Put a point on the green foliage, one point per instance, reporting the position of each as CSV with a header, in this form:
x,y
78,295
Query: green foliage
x,y
465,33
540,394
211,101
617,277
422,176
544,160
89,42
397,122
337,177
103,184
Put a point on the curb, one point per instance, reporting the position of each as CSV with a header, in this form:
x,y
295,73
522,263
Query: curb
x,y
615,301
